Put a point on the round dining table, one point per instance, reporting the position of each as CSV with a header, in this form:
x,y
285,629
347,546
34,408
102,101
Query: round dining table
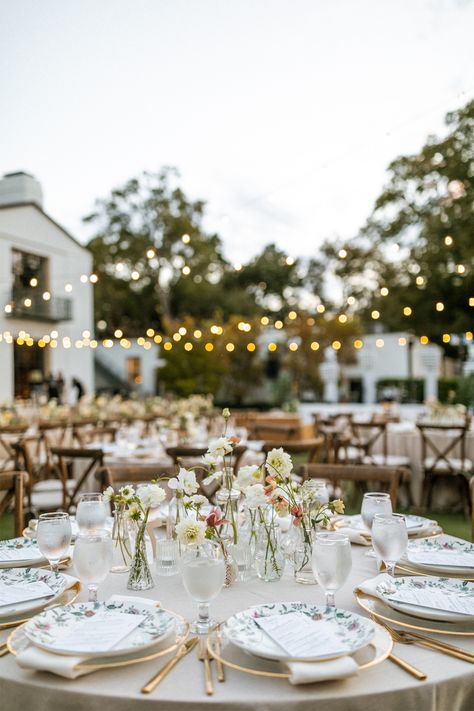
x,y
385,687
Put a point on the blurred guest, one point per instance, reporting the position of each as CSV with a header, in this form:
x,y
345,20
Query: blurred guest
x,y
79,388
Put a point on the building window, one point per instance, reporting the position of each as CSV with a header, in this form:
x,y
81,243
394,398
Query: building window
x,y
134,371
29,271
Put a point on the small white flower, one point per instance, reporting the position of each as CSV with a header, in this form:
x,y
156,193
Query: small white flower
x,y
220,447
251,474
196,499
210,460
128,492
151,495
255,496
134,512
185,482
109,494
279,462
190,531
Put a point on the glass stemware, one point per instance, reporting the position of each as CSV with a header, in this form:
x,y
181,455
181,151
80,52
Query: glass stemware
x,y
91,513
331,562
390,539
203,571
374,502
53,535
93,556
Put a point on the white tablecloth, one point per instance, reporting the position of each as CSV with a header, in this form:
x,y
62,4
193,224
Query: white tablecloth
x,y
450,683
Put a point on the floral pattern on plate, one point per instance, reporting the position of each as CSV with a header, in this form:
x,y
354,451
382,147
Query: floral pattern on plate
x,y
18,576
29,547
446,585
352,630
42,630
436,545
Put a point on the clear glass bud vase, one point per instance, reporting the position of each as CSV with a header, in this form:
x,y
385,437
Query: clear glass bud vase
x,y
140,575
269,558
122,545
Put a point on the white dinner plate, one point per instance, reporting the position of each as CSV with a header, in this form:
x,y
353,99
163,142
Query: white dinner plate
x,y
426,547
27,551
416,525
350,629
17,576
446,585
46,629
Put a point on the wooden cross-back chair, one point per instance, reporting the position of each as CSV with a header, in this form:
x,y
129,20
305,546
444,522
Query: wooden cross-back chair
x,y
118,475
310,448
9,436
365,435
388,477
12,491
445,459
283,432
86,436
66,458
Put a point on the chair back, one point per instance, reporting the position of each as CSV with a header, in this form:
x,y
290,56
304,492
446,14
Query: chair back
x,y
366,434
335,473
116,476
85,436
65,458
12,491
309,447
263,430
9,437
454,437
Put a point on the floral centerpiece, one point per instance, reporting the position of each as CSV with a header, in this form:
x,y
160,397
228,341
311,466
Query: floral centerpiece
x,y
139,504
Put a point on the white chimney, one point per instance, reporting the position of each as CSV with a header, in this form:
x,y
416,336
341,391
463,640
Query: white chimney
x,y
17,188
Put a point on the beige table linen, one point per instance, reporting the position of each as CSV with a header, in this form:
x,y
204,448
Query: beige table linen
x,y
450,684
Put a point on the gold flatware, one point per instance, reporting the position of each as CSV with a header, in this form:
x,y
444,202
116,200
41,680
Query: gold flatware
x,y
219,666
3,649
407,667
182,651
204,656
408,638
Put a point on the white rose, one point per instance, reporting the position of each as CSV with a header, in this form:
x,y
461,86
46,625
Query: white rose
x,y
279,462
190,531
255,496
251,474
151,495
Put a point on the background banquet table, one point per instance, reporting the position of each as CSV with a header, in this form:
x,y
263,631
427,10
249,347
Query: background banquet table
x,y
450,683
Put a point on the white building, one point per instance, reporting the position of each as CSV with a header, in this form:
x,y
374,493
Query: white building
x,y
41,293
133,368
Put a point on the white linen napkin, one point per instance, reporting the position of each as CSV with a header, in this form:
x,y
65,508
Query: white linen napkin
x,y
313,672
66,666
370,586
355,535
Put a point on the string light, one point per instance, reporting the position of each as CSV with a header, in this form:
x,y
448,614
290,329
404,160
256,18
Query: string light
x,y
314,346
336,345
33,282
278,324
292,315
342,254
446,337
293,346
469,335
448,240
402,341
407,311
342,318
84,278
375,314
150,253
265,320
209,347
419,281
230,347
188,346
186,239
290,261
424,340
358,343
351,300
182,331
439,306
167,346
380,343
150,332
460,268
158,338
197,333
68,288
384,291
320,308
46,296
251,347
272,347
186,270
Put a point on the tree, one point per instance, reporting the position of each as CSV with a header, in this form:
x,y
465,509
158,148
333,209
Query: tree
x,y
412,262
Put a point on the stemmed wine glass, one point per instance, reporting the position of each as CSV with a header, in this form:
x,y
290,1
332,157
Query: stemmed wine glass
x,y
331,562
390,539
93,554
53,535
203,571
91,513
374,502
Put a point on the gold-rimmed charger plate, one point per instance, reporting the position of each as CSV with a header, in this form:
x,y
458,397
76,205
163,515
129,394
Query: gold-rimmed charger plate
x,y
66,598
17,639
378,609
231,656
412,569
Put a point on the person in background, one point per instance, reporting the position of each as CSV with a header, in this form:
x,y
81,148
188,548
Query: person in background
x,y
53,393
60,386
79,388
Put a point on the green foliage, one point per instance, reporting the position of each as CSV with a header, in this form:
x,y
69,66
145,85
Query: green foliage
x,y
408,390
448,389
465,393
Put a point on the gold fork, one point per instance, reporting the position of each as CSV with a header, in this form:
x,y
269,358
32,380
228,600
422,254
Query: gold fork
x,y
203,656
408,638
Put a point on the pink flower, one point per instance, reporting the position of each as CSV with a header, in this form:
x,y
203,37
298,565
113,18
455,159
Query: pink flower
x,y
271,485
215,518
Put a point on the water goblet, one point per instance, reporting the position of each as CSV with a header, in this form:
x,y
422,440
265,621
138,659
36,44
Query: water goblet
x,y
53,534
372,503
390,539
203,571
93,555
331,562
91,513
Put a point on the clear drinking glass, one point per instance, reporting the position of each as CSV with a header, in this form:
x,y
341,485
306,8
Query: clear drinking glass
x,y
167,555
53,534
203,571
332,562
374,502
93,555
389,538
241,553
91,513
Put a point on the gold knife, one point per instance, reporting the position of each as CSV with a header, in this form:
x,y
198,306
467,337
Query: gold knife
x,y
182,651
421,676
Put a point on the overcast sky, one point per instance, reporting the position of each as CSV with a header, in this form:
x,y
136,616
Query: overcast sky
x,y
281,114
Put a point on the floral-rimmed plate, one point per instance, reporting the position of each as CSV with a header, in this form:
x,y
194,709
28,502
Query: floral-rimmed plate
x,y
443,585
351,630
433,555
417,526
46,629
23,576
20,553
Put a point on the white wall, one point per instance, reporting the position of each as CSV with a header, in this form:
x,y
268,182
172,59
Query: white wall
x,y
26,228
116,359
